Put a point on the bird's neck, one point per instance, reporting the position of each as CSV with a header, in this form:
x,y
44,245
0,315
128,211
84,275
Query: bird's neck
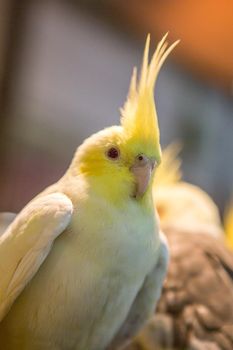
x,y
119,193
114,190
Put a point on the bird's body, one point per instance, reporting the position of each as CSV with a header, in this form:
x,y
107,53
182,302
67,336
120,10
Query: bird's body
x,y
94,283
96,233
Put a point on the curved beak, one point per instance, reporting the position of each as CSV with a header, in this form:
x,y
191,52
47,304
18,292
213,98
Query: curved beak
x,y
142,170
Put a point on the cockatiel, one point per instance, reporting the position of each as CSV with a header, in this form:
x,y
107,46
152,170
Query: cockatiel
x,y
195,311
82,265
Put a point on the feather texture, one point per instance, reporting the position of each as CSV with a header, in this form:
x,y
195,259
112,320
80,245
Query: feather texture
x,y
139,118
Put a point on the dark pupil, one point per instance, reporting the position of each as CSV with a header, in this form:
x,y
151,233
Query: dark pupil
x,y
113,153
140,157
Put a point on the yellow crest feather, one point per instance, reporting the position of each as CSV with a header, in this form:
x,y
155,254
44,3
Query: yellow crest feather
x,y
139,118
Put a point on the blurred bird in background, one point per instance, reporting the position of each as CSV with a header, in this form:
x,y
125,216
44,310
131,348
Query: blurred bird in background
x,y
195,311
182,204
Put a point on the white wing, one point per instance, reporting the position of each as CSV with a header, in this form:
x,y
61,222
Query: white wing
x,y
27,241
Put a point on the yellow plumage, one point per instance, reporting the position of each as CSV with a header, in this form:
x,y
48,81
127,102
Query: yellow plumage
x,y
139,117
228,225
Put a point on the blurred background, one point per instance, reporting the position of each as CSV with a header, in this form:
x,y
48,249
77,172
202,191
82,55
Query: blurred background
x,y
65,68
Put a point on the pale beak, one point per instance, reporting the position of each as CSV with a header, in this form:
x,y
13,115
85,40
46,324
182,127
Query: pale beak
x,y
142,170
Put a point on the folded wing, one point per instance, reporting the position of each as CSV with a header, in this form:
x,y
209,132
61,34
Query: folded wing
x,y
27,241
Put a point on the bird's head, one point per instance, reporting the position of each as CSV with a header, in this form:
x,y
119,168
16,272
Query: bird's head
x,y
120,161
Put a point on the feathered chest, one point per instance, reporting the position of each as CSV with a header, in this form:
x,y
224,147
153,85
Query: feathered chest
x,y
92,275
124,240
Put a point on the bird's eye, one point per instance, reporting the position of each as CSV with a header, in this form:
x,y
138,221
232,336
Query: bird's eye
x,y
140,157
113,153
